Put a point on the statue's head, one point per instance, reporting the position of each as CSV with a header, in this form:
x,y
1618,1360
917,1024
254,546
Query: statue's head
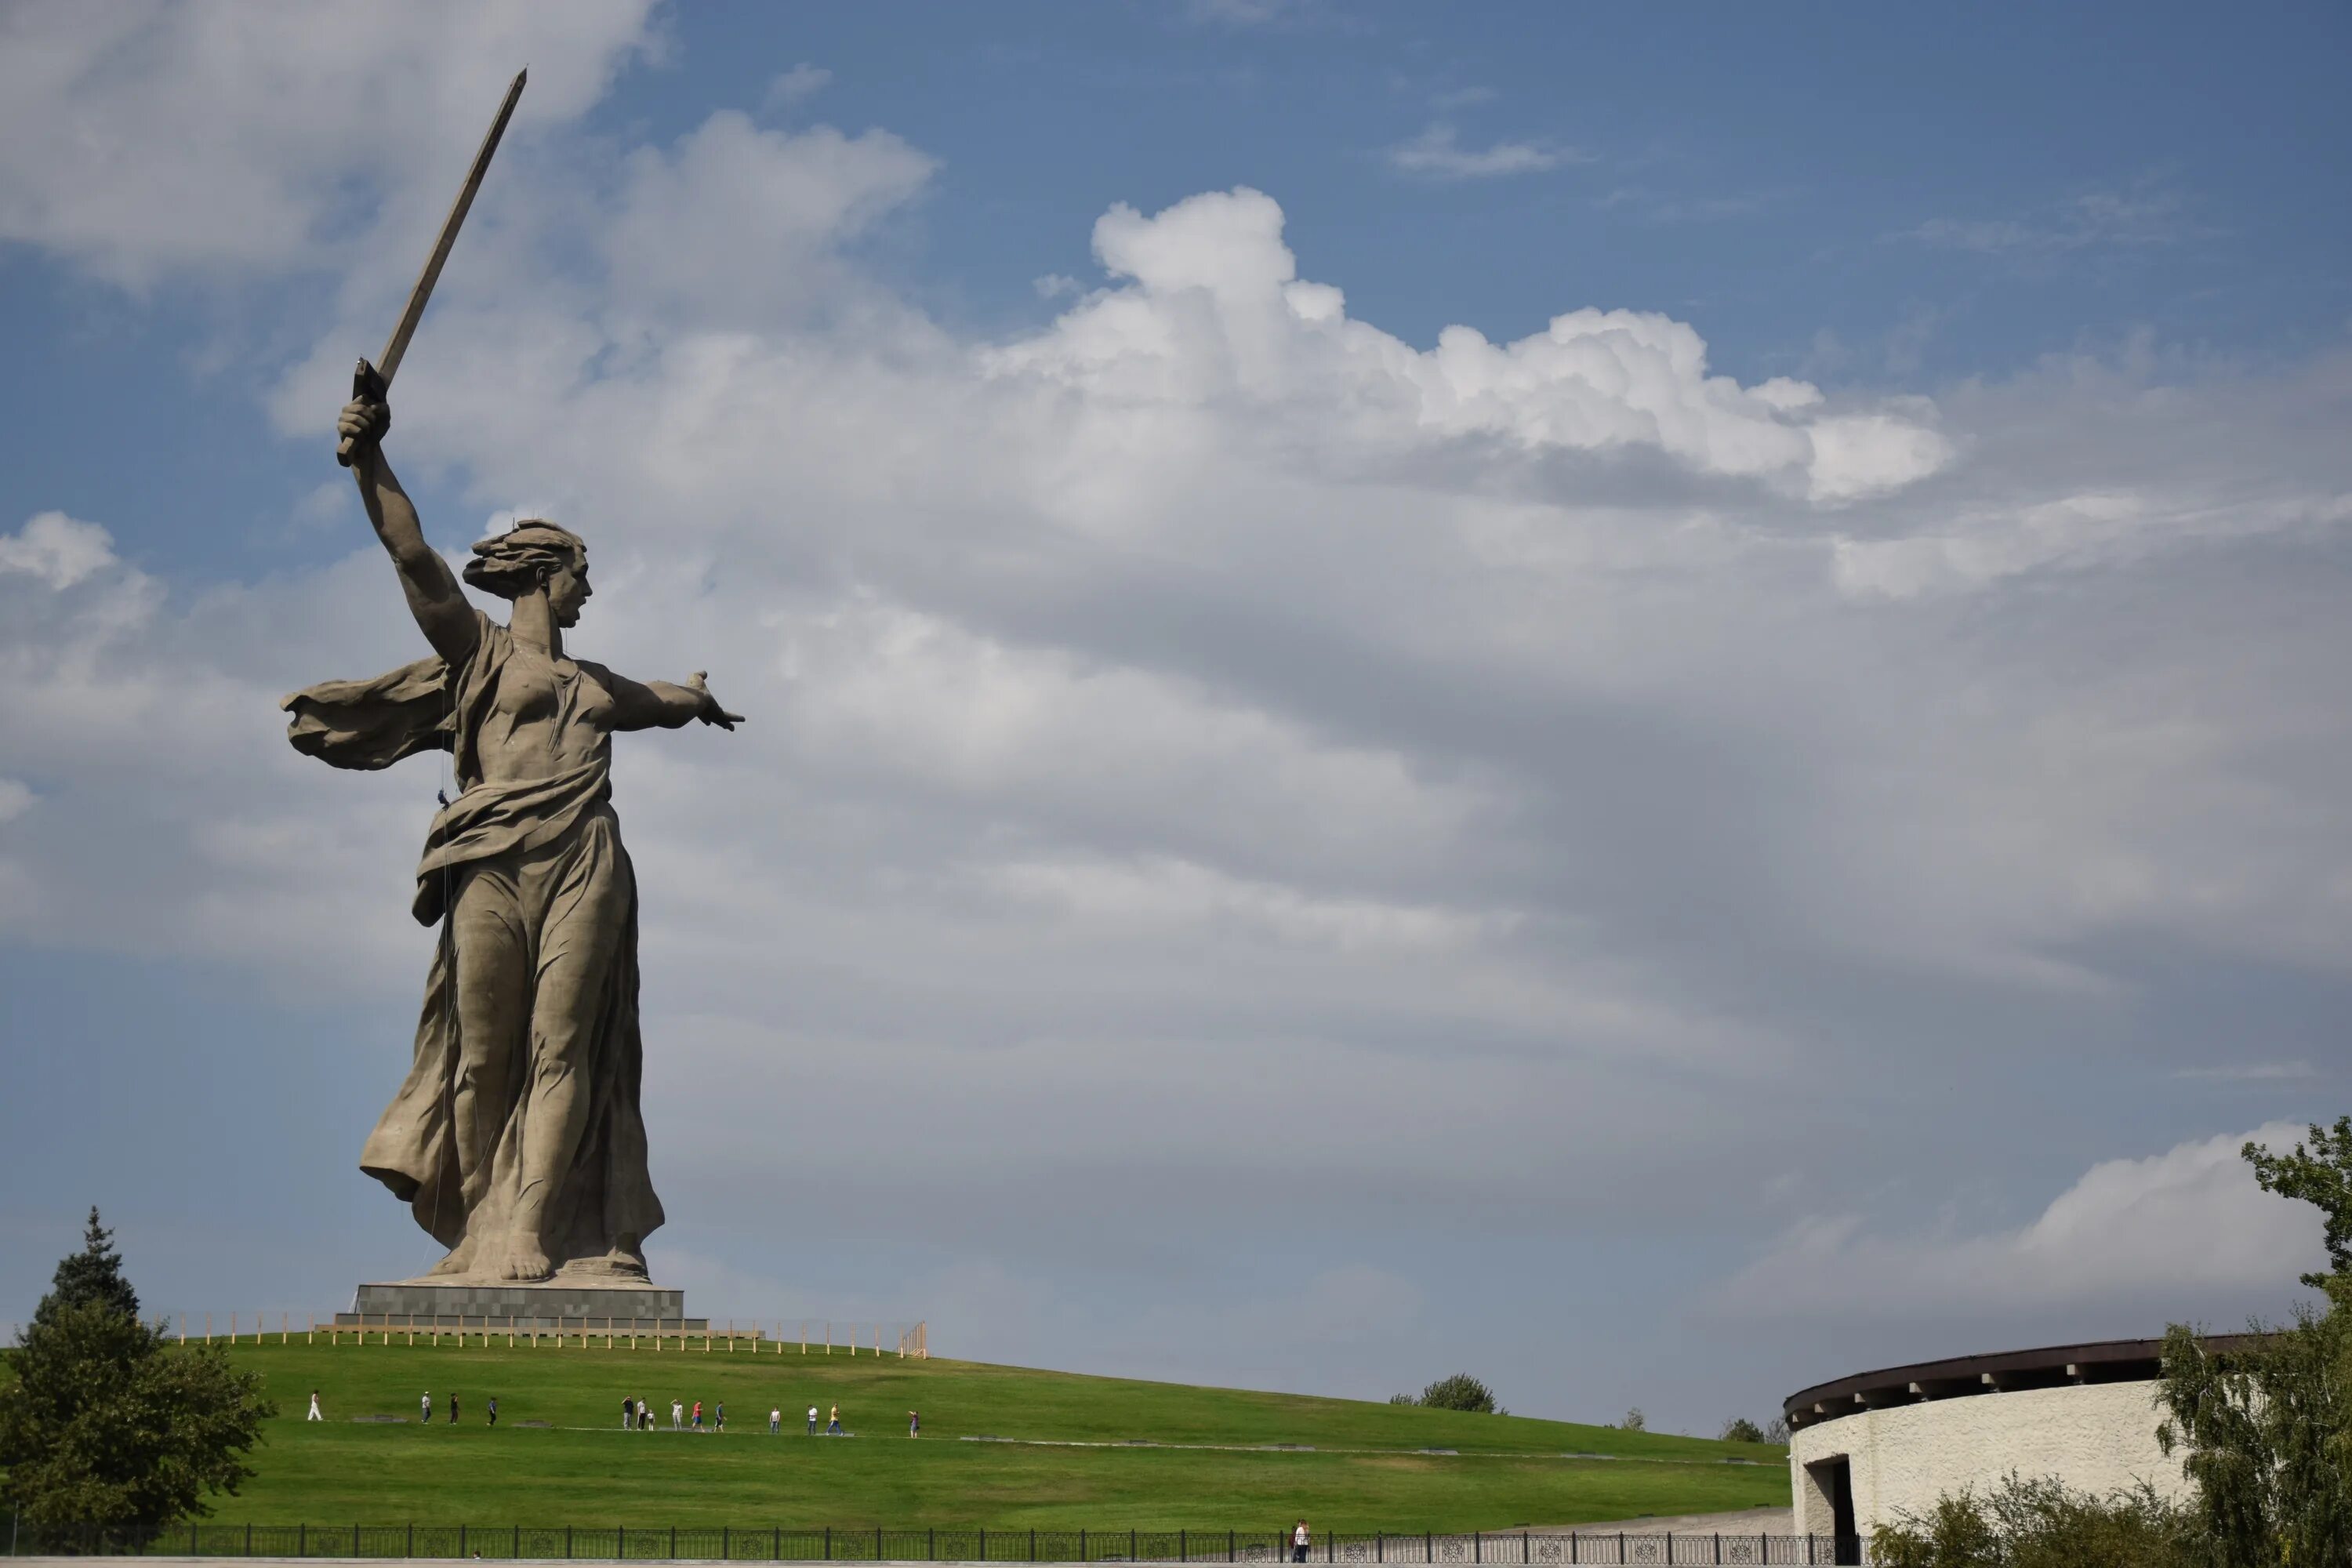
x,y
531,557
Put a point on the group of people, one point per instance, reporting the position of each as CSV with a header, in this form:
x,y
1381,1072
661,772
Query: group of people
x,y
424,1408
637,1416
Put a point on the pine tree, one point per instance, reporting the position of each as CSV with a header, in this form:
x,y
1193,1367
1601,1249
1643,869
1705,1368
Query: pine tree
x,y
93,1274
109,1435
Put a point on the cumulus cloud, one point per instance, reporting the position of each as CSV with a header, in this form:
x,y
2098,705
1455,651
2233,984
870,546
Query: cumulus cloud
x,y
1594,380
297,105
2180,1226
56,549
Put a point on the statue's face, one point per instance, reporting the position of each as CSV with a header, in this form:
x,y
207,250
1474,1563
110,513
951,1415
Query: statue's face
x,y
567,591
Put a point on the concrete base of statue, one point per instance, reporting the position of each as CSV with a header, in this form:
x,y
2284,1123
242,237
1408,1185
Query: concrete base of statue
x,y
556,1304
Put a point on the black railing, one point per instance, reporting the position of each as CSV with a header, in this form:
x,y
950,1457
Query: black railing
x,y
946,1543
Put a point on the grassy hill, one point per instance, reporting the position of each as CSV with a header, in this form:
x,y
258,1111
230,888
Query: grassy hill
x,y
1103,1452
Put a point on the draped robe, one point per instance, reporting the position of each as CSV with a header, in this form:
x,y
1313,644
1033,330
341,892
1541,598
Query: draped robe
x,y
543,861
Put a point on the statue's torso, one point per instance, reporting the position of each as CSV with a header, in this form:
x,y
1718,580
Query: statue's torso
x,y
546,716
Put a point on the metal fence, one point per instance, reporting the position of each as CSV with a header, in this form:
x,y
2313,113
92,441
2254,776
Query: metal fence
x,y
961,1543
758,1336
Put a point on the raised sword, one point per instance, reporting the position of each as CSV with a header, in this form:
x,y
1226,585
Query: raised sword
x,y
373,380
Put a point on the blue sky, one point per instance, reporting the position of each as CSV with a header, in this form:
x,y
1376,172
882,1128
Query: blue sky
x,y
1300,842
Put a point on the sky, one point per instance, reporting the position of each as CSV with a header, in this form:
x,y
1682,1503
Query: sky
x,y
1646,701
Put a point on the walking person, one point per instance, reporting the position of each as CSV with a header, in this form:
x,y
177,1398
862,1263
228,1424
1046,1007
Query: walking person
x,y
676,1416
425,1408
628,1414
645,1416
698,1416
453,1410
833,1428
914,1422
812,1431
494,1409
721,1414
1299,1542
314,1415
775,1420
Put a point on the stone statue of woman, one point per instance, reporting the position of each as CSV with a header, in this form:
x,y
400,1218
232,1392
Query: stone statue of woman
x,y
517,1140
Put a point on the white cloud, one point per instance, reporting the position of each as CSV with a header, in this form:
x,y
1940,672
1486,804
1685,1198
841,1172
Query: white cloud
x,y
1210,703
17,798
2142,215
1438,152
802,82
2177,1225
1594,380
781,201
298,104
1251,13
56,549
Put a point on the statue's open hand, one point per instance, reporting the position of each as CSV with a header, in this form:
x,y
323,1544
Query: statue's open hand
x,y
710,712
363,423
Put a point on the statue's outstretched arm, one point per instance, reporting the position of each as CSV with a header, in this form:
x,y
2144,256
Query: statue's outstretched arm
x,y
434,597
658,705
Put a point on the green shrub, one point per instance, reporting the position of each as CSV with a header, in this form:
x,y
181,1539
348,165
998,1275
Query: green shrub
x,y
2040,1524
1460,1392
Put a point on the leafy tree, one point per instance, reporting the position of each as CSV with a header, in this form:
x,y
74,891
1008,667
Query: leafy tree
x,y
2320,1174
2039,1524
108,1430
1739,1429
2266,1432
1460,1392
1635,1421
1404,1399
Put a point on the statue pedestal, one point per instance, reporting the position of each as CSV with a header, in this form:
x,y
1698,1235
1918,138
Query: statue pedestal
x,y
554,1304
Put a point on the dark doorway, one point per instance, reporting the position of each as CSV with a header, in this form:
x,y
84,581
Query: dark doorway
x,y
1835,1479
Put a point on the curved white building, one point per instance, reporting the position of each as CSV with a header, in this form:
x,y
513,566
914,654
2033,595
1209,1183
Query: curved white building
x,y
1864,1450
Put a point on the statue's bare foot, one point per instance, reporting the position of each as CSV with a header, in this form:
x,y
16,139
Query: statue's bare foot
x,y
458,1261
526,1260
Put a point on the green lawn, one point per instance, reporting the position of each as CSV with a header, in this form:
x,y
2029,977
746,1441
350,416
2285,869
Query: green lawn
x,y
1367,1472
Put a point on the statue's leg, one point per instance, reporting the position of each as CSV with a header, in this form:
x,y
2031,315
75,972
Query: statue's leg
x,y
493,954
578,945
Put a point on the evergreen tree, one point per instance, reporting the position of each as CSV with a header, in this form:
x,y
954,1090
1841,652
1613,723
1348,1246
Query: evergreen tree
x,y
93,1274
110,1435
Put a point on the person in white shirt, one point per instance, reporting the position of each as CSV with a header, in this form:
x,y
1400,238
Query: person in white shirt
x,y
677,1415
1299,1542
812,1420
775,1420
314,1415
424,1404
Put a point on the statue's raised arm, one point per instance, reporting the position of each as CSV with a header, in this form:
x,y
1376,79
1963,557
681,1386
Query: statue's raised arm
x,y
442,614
